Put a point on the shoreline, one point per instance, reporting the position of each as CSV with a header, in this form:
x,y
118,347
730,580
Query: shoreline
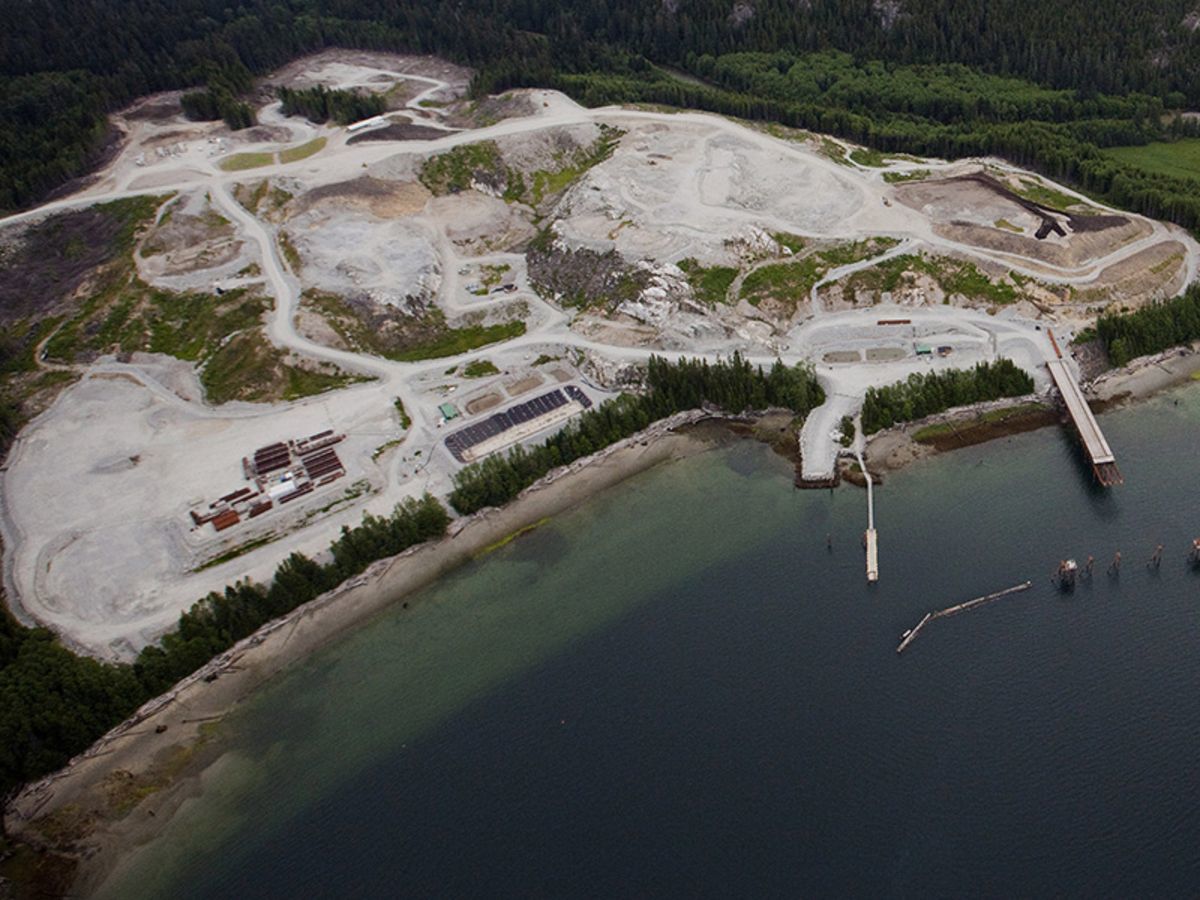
x,y
893,449
84,821
112,798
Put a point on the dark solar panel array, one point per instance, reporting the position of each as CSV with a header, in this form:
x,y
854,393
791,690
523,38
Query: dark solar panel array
x,y
579,396
498,423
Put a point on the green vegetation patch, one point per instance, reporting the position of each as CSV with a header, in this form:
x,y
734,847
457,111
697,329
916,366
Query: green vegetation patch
x,y
866,157
985,426
455,170
789,283
709,283
128,317
235,552
480,368
910,175
954,276
383,331
831,149
249,368
785,283
570,166
239,162
1177,159
303,151
290,254
221,332
1042,193
788,241
491,276
848,254
453,341
402,414
846,427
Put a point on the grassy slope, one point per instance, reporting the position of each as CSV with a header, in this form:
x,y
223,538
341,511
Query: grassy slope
x,y
1179,159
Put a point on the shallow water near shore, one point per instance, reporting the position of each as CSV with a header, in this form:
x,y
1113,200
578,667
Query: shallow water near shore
x,y
677,688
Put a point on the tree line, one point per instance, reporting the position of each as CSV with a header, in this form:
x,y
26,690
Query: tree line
x,y
54,703
62,65
319,104
733,385
1151,329
924,394
1067,147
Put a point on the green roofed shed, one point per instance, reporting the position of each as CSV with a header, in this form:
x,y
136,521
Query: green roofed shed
x,y
448,411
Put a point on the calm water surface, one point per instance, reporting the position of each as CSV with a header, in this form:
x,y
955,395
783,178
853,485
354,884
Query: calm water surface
x,y
678,690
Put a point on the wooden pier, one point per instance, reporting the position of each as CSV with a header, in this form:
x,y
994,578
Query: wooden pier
x,y
1104,464
960,608
871,538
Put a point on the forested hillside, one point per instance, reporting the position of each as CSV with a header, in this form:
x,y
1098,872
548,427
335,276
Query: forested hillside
x,y
63,64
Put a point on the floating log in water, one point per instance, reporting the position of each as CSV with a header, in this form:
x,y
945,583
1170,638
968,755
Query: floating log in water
x,y
979,601
910,636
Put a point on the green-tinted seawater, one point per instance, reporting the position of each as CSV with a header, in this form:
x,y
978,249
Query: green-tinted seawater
x,y
678,689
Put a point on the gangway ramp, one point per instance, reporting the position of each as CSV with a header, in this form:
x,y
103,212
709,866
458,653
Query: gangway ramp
x,y
1104,464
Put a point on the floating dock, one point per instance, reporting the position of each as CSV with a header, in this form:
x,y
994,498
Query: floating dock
x,y
872,556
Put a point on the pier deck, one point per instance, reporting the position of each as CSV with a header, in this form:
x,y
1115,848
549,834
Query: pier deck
x,y
871,538
1104,464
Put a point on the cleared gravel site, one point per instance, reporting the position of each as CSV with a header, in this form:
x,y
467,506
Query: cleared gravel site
x,y
562,245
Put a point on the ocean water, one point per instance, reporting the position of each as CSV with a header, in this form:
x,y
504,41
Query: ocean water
x,y
678,689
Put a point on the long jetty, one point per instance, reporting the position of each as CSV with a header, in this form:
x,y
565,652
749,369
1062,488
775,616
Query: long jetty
x,y
872,536
1104,464
911,636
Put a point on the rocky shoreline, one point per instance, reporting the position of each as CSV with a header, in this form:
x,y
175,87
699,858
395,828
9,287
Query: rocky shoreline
x,y
81,821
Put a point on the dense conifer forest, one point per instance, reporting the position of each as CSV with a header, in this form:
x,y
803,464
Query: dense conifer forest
x,y
1151,329
924,394
1068,78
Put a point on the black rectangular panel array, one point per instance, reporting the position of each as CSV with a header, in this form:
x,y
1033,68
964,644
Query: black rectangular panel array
x,y
579,396
498,423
